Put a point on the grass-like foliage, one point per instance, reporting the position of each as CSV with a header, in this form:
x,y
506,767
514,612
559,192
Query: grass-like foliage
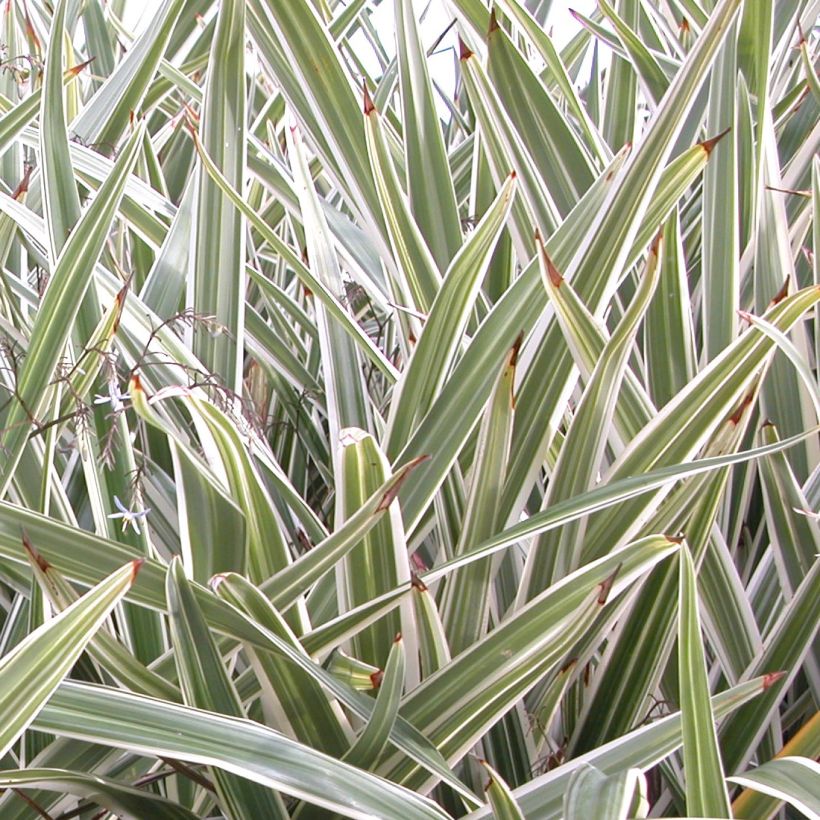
x,y
372,450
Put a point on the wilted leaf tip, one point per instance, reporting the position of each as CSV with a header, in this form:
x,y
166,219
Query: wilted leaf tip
x,y
464,52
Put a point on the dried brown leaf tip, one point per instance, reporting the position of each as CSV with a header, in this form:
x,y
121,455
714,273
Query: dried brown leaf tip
x,y
675,539
684,26
395,487
606,586
464,53
135,568
35,556
570,664
416,583
376,678
23,185
75,70
493,22
368,106
556,280
516,348
738,414
708,145
782,293
655,247
771,679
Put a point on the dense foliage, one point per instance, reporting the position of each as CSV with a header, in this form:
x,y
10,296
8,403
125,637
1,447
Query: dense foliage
x,y
426,454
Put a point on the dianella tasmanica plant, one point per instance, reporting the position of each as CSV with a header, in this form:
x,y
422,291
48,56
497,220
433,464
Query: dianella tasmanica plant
x,y
409,411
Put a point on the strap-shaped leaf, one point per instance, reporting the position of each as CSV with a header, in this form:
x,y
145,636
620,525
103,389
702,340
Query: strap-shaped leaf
x,y
31,671
72,272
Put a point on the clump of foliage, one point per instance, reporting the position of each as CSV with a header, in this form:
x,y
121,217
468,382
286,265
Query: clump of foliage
x,y
373,451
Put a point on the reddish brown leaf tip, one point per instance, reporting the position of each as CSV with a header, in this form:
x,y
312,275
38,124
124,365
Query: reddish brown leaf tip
x,y
709,144
782,293
606,586
674,539
771,679
75,70
398,638
376,678
766,423
136,384
33,554
684,25
738,414
493,22
23,186
135,568
516,348
570,664
369,107
556,280
464,52
416,583
655,247
393,490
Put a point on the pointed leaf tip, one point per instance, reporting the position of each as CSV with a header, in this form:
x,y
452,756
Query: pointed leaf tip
x,y
464,53
709,144
516,349
376,678
674,539
75,70
135,568
782,293
493,22
556,280
416,583
393,490
606,586
771,679
738,414
369,106
33,554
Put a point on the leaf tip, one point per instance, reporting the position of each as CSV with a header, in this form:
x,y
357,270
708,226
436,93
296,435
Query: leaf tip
x,y
782,293
368,106
35,556
376,678
675,539
464,52
709,144
136,565
606,586
493,22
771,679
416,583
77,69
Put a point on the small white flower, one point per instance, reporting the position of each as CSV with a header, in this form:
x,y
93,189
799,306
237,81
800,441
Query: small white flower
x,y
128,516
114,397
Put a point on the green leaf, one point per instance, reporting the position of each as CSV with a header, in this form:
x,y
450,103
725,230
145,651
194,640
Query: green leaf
x,y
33,669
795,780
706,793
